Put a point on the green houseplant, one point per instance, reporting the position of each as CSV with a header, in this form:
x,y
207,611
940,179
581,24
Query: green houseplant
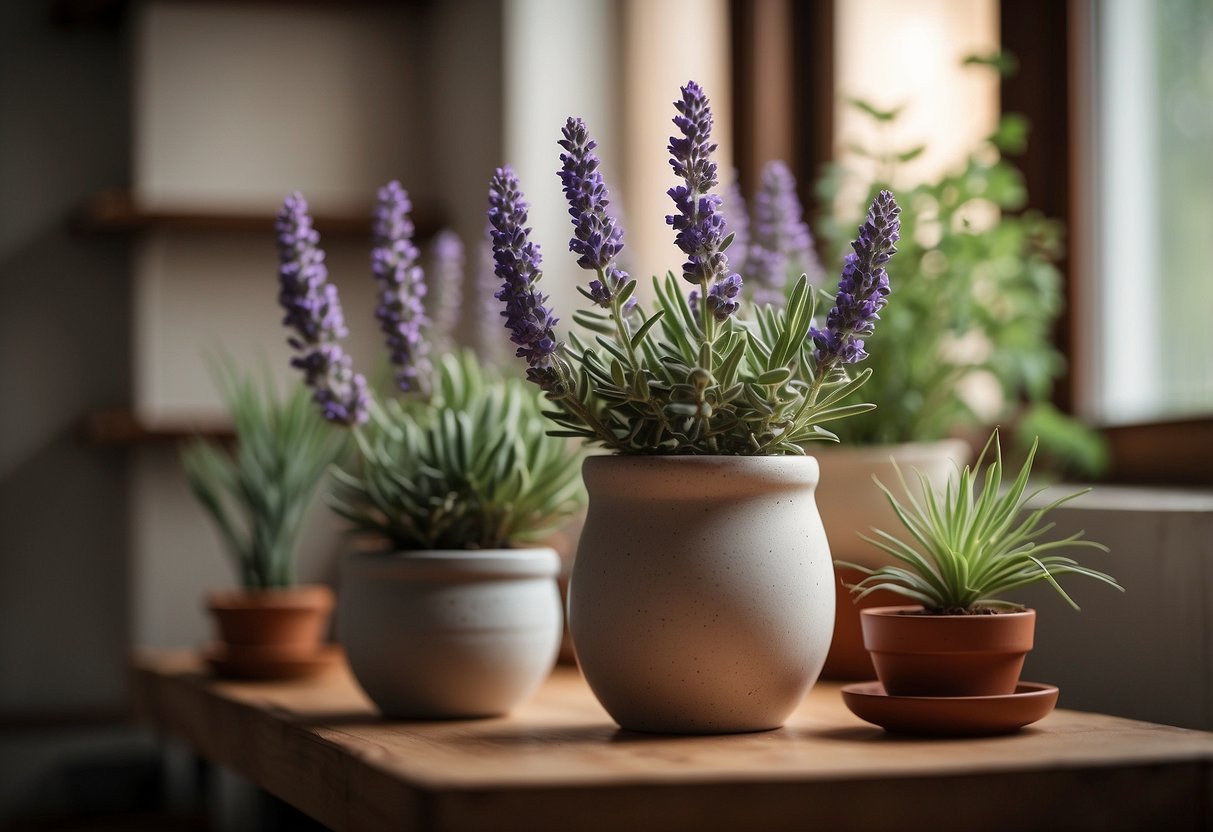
x,y
454,612
967,343
979,293
700,599
257,494
968,545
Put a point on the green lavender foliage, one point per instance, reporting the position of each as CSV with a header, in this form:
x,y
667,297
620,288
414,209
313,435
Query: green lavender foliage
x,y
703,387
973,542
257,492
468,468
973,299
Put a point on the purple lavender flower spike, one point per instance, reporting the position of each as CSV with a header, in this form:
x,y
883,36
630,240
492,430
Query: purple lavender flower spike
x,y
781,243
737,220
486,337
531,324
699,222
400,311
446,277
863,289
597,237
313,311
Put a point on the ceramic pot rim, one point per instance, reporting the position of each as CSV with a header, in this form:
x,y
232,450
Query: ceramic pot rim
x,y
647,476
298,596
454,564
885,629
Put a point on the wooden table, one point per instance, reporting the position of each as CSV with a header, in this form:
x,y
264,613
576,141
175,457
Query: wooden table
x,y
560,763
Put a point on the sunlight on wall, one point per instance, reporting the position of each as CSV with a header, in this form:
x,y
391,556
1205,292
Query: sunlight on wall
x,y
668,44
617,67
908,53
559,61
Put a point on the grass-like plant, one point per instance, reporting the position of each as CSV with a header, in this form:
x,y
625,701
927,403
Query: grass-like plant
x,y
256,492
974,542
469,468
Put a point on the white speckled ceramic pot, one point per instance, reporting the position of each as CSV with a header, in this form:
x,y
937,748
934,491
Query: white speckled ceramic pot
x,y
702,597
449,633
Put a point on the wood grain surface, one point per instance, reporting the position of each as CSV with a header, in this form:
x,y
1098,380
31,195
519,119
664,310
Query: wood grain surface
x,y
559,762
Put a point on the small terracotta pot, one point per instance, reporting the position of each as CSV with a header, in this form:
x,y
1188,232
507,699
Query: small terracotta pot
x,y
947,655
277,624
848,661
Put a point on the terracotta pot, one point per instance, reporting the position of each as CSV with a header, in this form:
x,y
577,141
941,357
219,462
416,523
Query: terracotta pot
x,y
701,598
848,660
851,504
947,655
269,632
450,634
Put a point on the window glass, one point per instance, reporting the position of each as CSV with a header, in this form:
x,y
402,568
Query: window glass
x,y
1153,95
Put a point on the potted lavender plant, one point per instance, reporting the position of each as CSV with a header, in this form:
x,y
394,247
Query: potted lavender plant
x,y
701,597
256,494
456,612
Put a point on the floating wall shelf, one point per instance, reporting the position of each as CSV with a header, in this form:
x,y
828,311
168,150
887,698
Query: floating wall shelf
x,y
121,427
118,212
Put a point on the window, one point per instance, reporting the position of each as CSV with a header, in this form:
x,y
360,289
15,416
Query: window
x,y
1119,95
1140,123
1152,194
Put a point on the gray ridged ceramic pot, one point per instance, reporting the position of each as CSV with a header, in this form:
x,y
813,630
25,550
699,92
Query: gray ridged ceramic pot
x,y
449,633
702,597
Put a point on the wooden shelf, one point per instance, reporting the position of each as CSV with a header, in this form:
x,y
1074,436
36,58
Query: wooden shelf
x,y
558,762
119,212
121,427
79,13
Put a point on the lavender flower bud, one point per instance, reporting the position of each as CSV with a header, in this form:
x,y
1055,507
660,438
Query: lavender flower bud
x,y
699,222
737,221
781,244
486,331
517,259
446,275
864,286
313,311
597,237
400,311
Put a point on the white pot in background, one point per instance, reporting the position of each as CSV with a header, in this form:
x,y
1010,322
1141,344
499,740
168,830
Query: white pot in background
x,y
702,597
851,504
448,634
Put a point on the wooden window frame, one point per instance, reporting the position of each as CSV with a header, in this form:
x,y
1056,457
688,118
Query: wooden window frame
x,y
1050,88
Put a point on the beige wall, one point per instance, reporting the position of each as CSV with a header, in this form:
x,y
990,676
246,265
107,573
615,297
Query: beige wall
x,y
1146,653
908,53
64,335
236,106
235,102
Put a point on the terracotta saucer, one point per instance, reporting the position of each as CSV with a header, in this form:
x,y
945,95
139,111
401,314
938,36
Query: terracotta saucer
x,y
950,716
234,664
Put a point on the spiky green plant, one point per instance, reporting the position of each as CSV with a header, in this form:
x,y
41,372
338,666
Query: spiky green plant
x,y
750,388
468,468
256,493
972,543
